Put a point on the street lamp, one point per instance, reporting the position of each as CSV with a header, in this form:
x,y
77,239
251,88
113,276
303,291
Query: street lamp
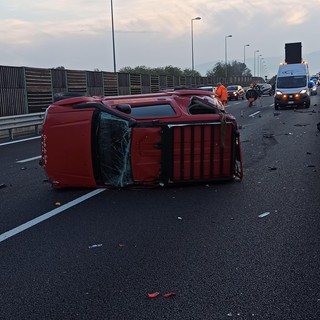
x,y
261,65
264,67
192,57
225,55
254,62
258,65
113,44
244,52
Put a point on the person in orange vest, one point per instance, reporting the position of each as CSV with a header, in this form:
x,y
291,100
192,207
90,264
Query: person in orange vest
x,y
222,93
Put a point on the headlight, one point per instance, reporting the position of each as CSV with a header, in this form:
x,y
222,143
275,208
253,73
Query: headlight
x,y
278,93
303,91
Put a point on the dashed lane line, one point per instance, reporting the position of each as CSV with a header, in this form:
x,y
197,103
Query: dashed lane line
x,y
48,215
253,114
29,159
17,141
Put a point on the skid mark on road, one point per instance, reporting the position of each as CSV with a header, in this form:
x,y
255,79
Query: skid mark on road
x,y
48,215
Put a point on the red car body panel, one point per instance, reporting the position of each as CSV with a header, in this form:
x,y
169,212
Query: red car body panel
x,y
144,156
66,148
110,142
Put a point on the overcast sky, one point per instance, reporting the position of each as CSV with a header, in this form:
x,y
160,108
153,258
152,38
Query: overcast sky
x,y
77,34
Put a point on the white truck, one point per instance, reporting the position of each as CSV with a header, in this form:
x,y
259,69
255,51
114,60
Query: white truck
x,y
292,85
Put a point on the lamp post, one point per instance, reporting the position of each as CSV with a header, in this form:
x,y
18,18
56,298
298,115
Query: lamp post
x,y
244,52
261,65
225,56
192,56
258,65
254,62
113,42
265,69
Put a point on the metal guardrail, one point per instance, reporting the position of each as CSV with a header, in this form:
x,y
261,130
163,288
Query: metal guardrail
x,y
13,123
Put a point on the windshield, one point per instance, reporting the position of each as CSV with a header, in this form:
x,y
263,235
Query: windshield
x,y
232,88
291,82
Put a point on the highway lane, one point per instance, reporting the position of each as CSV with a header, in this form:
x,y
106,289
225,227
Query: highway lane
x,y
99,259
26,193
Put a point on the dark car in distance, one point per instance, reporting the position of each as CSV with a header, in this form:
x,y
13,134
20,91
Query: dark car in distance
x,y
313,88
235,92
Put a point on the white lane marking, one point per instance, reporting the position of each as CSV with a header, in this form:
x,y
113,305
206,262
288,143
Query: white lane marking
x,y
48,215
253,114
262,215
27,160
17,141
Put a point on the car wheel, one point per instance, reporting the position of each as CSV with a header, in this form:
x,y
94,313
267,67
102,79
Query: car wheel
x,y
308,105
242,98
276,106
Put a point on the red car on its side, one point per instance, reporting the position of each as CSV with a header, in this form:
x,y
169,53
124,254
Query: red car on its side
x,y
152,139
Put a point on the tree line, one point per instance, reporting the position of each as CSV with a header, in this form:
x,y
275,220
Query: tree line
x,y
234,69
218,71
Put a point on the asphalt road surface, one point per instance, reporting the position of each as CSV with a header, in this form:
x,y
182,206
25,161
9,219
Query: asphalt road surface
x,y
236,250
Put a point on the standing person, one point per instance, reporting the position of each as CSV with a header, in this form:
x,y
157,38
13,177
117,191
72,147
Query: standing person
x,y
222,93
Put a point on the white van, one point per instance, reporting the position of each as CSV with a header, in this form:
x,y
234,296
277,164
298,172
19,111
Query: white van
x,y
292,86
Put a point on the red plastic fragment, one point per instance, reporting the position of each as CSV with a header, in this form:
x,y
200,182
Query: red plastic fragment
x,y
169,294
153,295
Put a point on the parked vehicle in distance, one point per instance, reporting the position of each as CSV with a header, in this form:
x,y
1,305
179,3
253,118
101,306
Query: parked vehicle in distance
x,y
264,88
313,88
157,139
315,79
235,92
207,88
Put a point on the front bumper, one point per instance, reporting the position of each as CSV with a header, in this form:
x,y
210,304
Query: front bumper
x,y
233,95
292,99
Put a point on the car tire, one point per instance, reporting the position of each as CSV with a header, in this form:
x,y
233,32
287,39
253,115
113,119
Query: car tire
x,y
276,106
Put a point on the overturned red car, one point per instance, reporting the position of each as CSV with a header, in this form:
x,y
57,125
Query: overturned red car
x,y
159,139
